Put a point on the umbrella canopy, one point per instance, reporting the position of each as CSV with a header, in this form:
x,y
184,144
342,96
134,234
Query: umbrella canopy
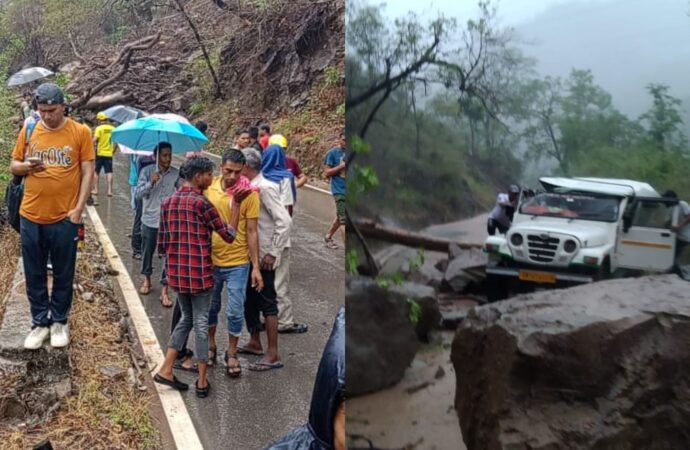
x,y
122,113
169,116
145,134
130,151
28,75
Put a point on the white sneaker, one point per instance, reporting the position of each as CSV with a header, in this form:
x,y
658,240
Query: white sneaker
x,y
35,339
59,335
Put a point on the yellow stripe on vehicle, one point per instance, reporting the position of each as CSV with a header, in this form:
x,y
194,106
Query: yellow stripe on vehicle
x,y
647,244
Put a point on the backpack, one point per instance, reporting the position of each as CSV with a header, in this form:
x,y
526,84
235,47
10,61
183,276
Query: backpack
x,y
15,189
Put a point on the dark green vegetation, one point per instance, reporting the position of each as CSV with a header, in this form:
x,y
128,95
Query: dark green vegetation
x,y
453,114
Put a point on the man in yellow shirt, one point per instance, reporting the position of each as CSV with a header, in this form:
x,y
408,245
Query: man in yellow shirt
x,y
105,149
57,166
231,261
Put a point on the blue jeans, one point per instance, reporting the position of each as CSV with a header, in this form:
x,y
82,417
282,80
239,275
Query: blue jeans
x,y
236,279
39,242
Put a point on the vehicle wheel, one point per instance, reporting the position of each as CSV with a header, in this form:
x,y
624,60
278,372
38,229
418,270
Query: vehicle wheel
x,y
497,288
604,272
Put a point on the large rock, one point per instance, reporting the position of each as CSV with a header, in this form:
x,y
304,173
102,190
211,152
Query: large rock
x,y
425,296
381,342
458,275
600,366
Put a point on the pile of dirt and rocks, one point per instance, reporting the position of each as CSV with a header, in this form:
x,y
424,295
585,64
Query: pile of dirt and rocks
x,y
593,367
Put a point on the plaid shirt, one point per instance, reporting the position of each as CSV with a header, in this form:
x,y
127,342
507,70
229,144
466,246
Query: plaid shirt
x,y
184,237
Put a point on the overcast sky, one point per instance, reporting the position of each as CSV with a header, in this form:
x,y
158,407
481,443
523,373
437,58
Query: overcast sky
x,y
627,44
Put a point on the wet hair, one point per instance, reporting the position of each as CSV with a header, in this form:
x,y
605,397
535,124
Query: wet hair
x,y
253,132
201,126
253,157
234,156
265,127
195,165
161,146
670,194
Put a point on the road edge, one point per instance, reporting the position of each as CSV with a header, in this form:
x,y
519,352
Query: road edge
x,y
179,421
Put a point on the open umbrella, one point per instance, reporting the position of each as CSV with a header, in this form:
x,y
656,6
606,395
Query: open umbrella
x,y
130,151
122,113
145,134
28,75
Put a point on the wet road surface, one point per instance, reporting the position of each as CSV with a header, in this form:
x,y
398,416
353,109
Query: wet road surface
x,y
252,411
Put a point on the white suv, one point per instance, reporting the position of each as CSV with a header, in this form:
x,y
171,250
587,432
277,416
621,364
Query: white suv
x,y
580,230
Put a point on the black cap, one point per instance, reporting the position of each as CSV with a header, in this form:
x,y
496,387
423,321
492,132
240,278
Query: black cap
x,y
49,94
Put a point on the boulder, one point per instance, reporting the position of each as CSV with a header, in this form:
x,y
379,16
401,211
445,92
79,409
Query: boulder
x,y
381,342
425,297
598,366
457,274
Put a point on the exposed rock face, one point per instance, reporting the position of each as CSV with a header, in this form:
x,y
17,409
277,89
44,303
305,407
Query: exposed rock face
x,y
425,296
381,342
601,366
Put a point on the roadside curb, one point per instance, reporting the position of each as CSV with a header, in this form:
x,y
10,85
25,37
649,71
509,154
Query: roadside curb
x,y
179,421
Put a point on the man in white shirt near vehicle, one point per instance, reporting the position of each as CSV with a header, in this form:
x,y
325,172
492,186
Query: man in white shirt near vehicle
x,y
501,217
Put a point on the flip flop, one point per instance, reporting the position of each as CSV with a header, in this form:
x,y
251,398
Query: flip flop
x,y
169,305
245,351
296,328
263,366
179,365
330,243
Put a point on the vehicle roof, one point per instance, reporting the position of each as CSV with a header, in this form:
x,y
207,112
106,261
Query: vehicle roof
x,y
609,186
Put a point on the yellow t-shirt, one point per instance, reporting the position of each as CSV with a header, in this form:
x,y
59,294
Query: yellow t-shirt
x,y
237,253
50,194
105,145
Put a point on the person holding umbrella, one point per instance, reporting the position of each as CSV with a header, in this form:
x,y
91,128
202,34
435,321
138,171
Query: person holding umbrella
x,y
156,183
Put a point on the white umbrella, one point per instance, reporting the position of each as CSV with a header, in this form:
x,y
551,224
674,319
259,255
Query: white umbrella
x,y
28,75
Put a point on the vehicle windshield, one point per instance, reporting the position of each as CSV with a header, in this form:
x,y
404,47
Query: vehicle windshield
x,y
572,206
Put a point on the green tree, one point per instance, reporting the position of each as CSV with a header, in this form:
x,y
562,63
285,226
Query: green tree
x,y
663,121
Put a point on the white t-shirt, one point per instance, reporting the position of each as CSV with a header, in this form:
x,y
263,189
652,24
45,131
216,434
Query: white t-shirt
x,y
684,233
499,211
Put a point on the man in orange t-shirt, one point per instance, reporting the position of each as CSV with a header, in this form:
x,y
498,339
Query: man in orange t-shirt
x,y
58,165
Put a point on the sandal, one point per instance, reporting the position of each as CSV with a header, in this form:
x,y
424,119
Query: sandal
x,y
213,356
330,243
162,299
295,328
144,289
202,392
179,365
263,366
233,370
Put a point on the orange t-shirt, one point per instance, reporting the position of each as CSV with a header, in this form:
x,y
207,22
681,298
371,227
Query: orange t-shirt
x,y
50,194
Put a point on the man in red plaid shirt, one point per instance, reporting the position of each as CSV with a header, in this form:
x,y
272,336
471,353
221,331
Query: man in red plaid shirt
x,y
184,237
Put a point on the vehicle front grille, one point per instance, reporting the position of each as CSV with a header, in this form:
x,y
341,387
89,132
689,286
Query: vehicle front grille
x,y
542,250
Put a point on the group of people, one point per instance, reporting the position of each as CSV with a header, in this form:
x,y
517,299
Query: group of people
x,y
211,232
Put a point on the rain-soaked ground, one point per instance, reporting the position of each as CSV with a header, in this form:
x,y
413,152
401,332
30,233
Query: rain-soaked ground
x,y
252,411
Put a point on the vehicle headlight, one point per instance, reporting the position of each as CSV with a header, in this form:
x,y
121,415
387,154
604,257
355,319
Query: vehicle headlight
x,y
516,239
569,246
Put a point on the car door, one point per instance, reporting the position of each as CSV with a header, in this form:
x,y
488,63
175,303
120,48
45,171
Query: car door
x,y
645,240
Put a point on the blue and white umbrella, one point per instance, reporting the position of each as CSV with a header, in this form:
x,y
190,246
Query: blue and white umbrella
x,y
145,134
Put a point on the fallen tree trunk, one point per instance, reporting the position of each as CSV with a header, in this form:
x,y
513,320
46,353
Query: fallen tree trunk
x,y
375,230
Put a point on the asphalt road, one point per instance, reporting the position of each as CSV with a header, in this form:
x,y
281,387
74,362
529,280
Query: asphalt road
x,y
252,411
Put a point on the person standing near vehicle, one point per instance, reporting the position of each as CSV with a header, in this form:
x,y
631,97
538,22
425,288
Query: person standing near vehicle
x,y
682,259
501,217
104,153
58,165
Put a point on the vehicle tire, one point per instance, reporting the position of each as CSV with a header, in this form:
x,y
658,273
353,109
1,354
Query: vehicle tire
x,y
604,272
497,288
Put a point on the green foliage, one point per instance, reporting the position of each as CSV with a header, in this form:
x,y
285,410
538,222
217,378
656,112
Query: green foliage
x,y
332,76
415,312
386,281
364,180
341,109
351,261
196,108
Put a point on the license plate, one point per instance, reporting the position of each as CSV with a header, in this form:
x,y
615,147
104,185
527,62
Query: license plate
x,y
537,277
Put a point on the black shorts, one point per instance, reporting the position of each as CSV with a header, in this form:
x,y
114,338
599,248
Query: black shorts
x,y
257,303
105,162
492,226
